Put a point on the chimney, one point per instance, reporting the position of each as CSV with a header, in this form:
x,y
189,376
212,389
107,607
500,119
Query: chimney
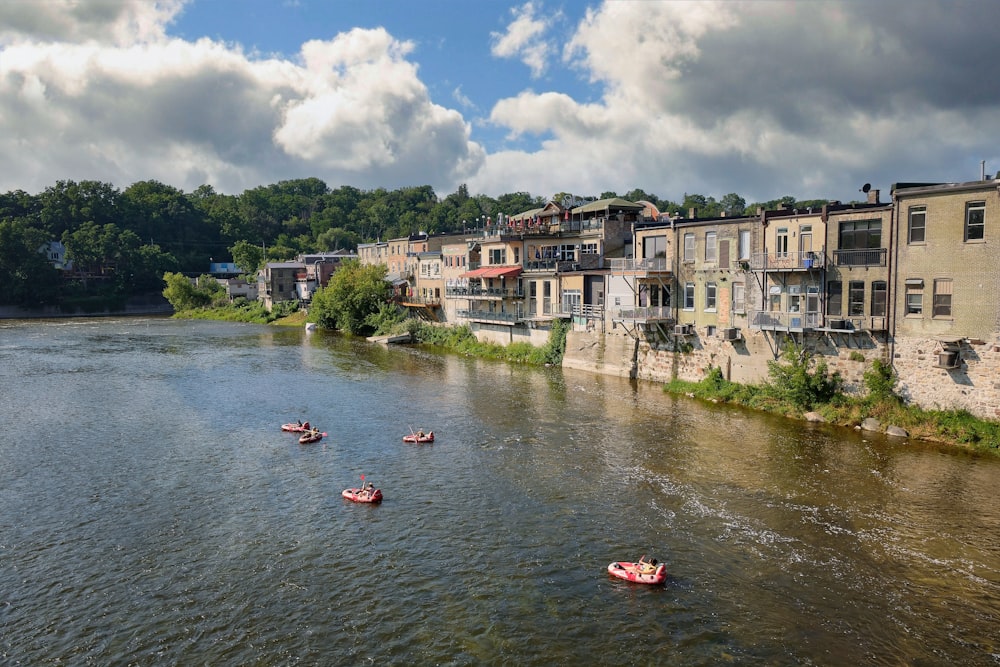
x,y
692,212
873,197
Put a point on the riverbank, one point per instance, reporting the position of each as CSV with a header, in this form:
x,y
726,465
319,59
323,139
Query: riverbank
x,y
141,305
879,410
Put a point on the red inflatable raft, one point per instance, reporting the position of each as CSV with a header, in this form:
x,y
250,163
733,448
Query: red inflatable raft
x,y
417,437
635,572
359,496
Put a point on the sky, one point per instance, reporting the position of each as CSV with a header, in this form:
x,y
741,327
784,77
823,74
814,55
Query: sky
x,y
764,99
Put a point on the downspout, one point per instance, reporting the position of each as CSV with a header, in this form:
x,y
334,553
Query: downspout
x,y
893,260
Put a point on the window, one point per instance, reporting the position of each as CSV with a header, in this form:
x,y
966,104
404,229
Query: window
x,y
942,298
917,225
744,244
498,256
915,299
710,248
739,298
856,298
653,246
781,243
860,234
567,252
975,221
688,296
588,249
834,297
571,301
710,295
689,247
878,298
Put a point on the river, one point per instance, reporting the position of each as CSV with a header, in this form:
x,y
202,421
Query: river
x,y
152,513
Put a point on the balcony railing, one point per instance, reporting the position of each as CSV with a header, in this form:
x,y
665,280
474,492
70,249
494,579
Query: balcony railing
x,y
647,264
430,301
862,257
490,316
586,311
787,261
641,313
483,293
784,321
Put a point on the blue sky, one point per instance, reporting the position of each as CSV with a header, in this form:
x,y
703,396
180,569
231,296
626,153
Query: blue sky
x,y
762,98
452,43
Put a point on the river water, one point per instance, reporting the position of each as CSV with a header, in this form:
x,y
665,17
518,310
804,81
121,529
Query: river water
x,y
152,513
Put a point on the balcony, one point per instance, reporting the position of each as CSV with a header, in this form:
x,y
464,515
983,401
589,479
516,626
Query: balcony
x,y
857,323
497,293
424,301
863,257
490,317
784,320
640,266
640,314
787,261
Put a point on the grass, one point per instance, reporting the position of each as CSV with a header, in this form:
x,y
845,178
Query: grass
x,y
952,427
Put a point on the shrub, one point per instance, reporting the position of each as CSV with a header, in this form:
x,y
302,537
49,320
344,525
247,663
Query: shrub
x,y
800,380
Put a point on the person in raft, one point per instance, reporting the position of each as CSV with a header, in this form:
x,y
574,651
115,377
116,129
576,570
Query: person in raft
x,y
305,426
420,434
368,490
647,566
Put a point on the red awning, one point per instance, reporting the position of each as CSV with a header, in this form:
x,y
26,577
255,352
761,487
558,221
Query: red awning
x,y
494,272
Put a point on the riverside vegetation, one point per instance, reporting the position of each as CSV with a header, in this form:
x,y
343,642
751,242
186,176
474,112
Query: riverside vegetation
x,y
357,302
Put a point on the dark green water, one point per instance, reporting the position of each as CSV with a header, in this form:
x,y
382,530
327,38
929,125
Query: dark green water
x,y
152,513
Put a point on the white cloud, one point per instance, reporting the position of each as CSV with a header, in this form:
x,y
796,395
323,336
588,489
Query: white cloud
x,y
524,39
91,105
761,98
108,21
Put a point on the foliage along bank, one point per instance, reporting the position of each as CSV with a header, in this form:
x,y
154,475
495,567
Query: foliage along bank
x,y
798,383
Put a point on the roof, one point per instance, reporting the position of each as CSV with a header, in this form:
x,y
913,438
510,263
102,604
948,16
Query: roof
x,y
607,205
494,272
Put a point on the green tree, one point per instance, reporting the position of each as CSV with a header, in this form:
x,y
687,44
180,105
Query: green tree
x,y
186,295
247,256
802,380
355,293
733,205
27,277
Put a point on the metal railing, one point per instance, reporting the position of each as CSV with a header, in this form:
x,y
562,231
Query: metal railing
x,y
641,313
784,320
787,261
483,292
862,257
660,264
490,316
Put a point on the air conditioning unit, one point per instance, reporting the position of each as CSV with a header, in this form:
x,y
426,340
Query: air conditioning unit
x,y
839,324
948,359
682,329
731,334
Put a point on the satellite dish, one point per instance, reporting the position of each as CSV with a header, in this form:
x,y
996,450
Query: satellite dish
x,y
866,187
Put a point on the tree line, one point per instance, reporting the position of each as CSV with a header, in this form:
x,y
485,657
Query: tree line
x,y
122,242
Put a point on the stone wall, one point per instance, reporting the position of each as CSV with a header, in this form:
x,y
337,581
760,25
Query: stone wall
x,y
973,386
501,334
607,354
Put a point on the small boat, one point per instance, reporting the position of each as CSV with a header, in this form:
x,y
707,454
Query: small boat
x,y
310,437
360,496
635,572
419,437
294,428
